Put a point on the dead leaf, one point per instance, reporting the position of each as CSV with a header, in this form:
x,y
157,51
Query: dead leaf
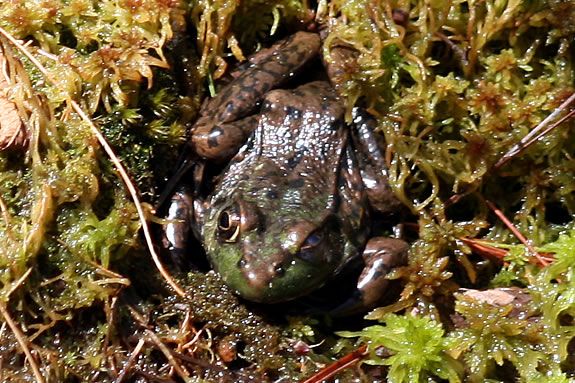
x,y
498,296
13,134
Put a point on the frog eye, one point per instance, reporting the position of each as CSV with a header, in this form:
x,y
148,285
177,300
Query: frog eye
x,y
229,224
306,251
312,240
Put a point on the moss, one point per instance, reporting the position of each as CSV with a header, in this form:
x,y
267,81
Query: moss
x,y
453,86
417,346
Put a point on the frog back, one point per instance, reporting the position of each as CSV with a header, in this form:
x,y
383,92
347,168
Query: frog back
x,y
287,188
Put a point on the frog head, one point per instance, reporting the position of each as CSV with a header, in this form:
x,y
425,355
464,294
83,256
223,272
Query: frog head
x,y
271,254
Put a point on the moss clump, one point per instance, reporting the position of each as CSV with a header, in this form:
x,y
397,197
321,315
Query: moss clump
x,y
67,223
418,348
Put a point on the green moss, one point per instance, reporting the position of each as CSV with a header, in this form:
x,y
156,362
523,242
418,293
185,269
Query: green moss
x,y
453,85
417,346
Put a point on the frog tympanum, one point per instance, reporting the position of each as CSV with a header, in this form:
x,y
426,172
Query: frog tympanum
x,y
293,205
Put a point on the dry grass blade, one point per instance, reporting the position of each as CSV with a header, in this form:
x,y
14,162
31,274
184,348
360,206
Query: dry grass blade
x,y
22,341
115,160
339,365
133,194
131,361
18,334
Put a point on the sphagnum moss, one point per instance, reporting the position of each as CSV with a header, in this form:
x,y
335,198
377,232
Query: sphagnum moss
x,y
453,84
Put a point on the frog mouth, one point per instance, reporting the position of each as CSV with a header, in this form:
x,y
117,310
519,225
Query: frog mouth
x,y
274,284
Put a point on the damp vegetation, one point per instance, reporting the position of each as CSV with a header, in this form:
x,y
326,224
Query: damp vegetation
x,y
488,293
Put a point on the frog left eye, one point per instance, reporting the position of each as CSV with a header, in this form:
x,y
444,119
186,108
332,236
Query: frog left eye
x,y
229,224
306,251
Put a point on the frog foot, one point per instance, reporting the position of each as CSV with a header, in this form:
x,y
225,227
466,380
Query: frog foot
x,y
381,254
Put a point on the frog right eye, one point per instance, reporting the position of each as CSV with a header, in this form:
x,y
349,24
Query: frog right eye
x,y
229,224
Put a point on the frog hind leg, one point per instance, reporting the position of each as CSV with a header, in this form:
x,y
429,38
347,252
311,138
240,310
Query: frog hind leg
x,y
223,127
381,254
219,143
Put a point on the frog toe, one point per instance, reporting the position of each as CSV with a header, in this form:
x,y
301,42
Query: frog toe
x,y
381,254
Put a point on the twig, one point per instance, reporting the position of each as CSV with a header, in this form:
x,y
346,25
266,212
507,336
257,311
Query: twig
x,y
535,132
19,281
133,193
21,339
130,361
340,364
115,160
158,342
550,128
484,248
516,232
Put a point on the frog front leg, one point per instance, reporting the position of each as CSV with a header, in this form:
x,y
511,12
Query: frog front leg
x,y
372,164
176,232
184,218
380,256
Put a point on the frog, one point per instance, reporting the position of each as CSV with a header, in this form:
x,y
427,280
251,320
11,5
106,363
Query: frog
x,y
292,207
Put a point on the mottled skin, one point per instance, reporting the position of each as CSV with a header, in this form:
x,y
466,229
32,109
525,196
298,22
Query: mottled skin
x,y
291,209
221,126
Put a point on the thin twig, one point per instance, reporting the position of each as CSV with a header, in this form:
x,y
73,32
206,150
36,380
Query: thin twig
x,y
158,342
133,193
115,160
516,232
18,334
520,146
19,281
21,339
130,361
551,127
337,366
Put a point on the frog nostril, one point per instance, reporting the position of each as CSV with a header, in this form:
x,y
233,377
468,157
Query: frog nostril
x,y
278,269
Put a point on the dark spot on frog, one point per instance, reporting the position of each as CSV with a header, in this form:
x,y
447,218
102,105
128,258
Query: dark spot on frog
x,y
272,194
294,160
248,83
324,105
296,55
296,183
215,133
293,113
271,73
230,107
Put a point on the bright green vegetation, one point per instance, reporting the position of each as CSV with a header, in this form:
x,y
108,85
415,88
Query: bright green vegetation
x,y
454,85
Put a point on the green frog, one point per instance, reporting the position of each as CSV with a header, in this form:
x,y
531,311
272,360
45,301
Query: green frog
x,y
292,207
